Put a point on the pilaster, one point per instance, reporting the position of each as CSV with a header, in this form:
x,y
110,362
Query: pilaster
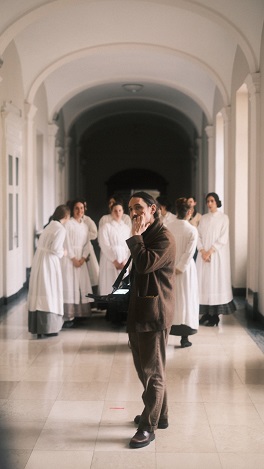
x,y
30,181
209,129
254,188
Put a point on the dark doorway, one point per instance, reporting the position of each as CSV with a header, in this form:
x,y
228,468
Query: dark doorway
x,y
124,182
134,150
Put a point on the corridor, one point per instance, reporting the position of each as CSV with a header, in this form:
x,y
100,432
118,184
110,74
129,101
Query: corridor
x,y
68,402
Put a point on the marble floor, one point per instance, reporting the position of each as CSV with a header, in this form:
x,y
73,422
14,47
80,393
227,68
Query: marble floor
x,y
68,402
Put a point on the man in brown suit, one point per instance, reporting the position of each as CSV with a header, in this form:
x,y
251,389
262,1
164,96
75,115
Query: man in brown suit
x,y
150,311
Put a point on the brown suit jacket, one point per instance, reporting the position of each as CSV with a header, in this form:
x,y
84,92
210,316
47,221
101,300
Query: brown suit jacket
x,y
152,297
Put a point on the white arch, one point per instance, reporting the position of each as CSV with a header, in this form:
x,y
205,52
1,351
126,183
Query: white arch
x,y
45,10
205,71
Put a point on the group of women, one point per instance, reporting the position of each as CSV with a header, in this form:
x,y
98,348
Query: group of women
x,y
65,268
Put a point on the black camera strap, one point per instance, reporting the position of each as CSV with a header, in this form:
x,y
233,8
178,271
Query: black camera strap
x,y
121,275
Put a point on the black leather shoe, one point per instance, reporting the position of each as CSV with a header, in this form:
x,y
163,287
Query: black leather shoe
x,y
161,425
141,438
213,321
68,324
204,319
185,343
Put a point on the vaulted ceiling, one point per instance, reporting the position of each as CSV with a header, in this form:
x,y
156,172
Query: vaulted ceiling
x,y
84,52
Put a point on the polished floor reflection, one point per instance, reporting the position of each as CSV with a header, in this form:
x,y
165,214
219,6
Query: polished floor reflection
x,y
68,402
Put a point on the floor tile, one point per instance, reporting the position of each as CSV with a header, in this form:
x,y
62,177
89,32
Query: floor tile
x,y
22,409
20,434
14,458
133,459
185,438
188,461
89,411
60,460
242,461
238,438
83,391
80,435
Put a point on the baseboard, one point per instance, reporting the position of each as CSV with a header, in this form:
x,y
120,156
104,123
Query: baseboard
x,y
7,300
252,305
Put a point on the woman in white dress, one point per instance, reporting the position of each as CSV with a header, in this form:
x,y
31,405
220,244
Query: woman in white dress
x,y
166,215
45,296
186,316
195,216
213,264
114,251
92,262
76,280
108,218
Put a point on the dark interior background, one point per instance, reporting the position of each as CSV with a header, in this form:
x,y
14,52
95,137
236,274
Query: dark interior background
x,y
132,151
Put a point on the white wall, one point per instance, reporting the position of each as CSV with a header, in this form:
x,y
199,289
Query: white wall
x,y
261,194
11,96
11,91
45,161
238,242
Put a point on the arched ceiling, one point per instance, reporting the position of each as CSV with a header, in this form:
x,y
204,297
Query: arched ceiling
x,y
83,51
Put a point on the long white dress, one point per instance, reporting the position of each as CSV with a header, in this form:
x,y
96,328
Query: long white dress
x,y
76,280
112,240
214,277
186,282
45,296
108,218
168,218
92,263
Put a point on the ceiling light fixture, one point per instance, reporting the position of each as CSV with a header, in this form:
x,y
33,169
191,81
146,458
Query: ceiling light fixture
x,y
133,87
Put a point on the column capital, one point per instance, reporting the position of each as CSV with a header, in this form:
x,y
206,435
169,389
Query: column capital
x,y
30,110
53,129
226,113
9,108
209,129
253,83
61,157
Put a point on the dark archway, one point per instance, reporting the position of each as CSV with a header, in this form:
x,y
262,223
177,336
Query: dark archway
x,y
124,182
135,178
157,150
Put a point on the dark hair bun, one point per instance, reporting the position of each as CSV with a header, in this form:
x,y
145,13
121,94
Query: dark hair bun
x,y
216,197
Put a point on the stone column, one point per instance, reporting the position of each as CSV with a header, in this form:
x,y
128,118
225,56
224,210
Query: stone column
x,y
199,175
226,113
30,181
60,183
253,265
50,181
211,157
66,176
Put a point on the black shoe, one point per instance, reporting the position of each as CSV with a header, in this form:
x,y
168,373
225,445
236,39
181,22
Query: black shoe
x,y
52,334
204,319
185,342
141,438
213,321
68,324
39,336
162,424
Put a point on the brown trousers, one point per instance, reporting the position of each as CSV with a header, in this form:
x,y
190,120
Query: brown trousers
x,y
149,355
